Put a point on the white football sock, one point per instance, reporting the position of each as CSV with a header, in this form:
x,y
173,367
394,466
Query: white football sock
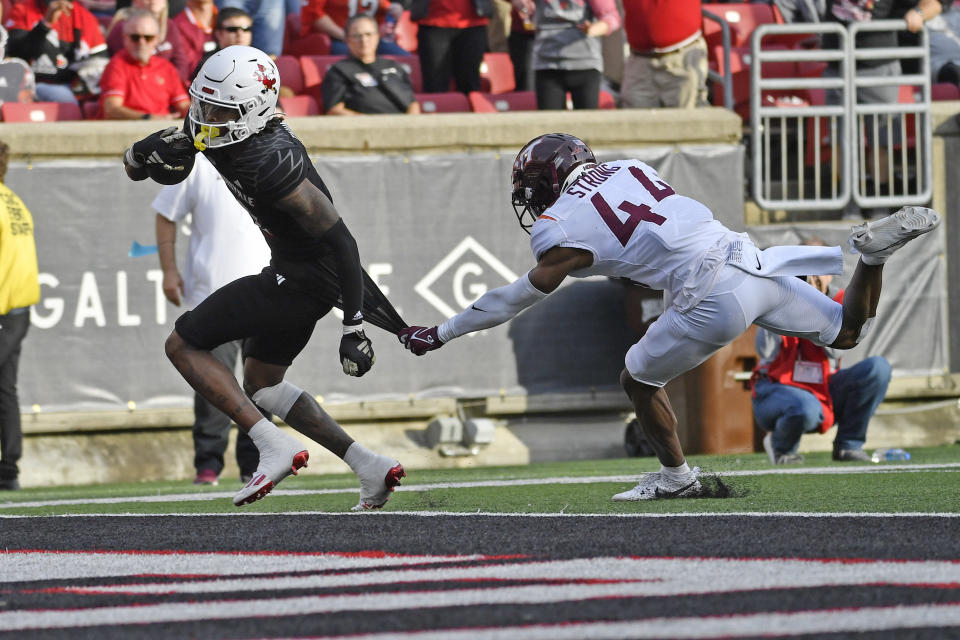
x,y
675,474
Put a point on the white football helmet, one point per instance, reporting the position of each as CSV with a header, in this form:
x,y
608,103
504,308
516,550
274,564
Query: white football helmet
x,y
233,96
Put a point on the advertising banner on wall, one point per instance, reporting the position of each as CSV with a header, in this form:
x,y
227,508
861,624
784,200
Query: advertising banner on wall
x,y
435,232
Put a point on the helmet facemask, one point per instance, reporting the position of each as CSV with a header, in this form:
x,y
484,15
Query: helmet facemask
x,y
540,173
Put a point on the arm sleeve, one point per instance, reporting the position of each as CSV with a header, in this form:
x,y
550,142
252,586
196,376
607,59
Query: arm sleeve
x,y
350,273
492,308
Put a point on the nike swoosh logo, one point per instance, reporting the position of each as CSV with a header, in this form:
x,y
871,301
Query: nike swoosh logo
x,y
476,308
416,336
758,263
672,494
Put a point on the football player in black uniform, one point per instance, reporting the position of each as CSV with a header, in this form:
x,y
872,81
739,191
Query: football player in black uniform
x,y
232,120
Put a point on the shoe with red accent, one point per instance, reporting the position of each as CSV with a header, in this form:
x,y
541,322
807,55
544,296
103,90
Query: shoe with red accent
x,y
279,458
377,481
206,476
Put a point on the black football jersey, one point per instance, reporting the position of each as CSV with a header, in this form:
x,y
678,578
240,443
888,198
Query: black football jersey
x,y
260,171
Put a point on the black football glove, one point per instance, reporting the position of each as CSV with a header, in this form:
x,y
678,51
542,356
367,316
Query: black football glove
x,y
356,353
168,149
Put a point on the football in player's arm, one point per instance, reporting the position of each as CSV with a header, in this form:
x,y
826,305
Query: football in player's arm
x,y
233,121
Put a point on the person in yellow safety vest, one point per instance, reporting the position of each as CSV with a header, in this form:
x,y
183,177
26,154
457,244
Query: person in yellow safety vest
x,y
799,388
19,288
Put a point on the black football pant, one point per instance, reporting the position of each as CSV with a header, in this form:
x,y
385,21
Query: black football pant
x,y
13,329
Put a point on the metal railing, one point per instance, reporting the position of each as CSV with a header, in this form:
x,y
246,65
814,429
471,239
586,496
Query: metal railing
x,y
815,144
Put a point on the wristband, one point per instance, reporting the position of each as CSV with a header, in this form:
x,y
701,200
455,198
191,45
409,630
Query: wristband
x,y
352,328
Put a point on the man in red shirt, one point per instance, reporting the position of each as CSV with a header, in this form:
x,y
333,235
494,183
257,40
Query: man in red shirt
x,y
195,24
137,83
667,65
53,36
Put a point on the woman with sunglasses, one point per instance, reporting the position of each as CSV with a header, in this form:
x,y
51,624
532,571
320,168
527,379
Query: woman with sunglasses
x,y
137,84
168,46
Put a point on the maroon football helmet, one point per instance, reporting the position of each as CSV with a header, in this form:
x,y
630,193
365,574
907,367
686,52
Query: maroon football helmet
x,y
540,170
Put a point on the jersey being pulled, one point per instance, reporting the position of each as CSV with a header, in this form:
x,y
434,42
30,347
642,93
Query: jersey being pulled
x,y
260,171
637,227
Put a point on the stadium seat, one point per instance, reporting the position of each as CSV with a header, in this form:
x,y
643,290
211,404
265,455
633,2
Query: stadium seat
x,y
481,102
299,106
406,32
290,74
295,44
313,68
944,91
743,18
91,110
411,65
39,111
496,73
451,102
607,100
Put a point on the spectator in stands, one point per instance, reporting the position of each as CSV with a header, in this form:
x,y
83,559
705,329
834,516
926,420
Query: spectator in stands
x,y
195,27
667,65
915,13
269,20
330,17
17,83
798,388
945,47
169,47
451,41
19,288
520,45
138,84
802,10
56,38
362,82
224,245
232,26
566,49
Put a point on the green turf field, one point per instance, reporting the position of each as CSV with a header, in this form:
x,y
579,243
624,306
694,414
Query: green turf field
x,y
820,485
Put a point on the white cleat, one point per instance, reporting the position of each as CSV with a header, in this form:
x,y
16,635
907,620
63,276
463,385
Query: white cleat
x,y
282,456
876,241
653,486
377,481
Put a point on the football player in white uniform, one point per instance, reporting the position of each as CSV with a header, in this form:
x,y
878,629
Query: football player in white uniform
x,y
620,219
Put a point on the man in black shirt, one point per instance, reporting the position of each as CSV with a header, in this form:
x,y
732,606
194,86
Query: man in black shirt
x,y
232,121
364,83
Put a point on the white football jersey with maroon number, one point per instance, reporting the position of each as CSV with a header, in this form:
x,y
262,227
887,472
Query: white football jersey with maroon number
x,y
637,227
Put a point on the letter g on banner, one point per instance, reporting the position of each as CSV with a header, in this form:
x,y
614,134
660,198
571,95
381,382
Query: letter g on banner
x,y
453,284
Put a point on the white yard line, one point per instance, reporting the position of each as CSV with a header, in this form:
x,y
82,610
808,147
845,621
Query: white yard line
x,y
218,495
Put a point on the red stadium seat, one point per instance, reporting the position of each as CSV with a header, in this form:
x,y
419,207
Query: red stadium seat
x,y
443,102
944,91
299,106
496,73
514,101
406,32
607,100
311,44
91,110
313,68
290,74
743,18
39,111
411,65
